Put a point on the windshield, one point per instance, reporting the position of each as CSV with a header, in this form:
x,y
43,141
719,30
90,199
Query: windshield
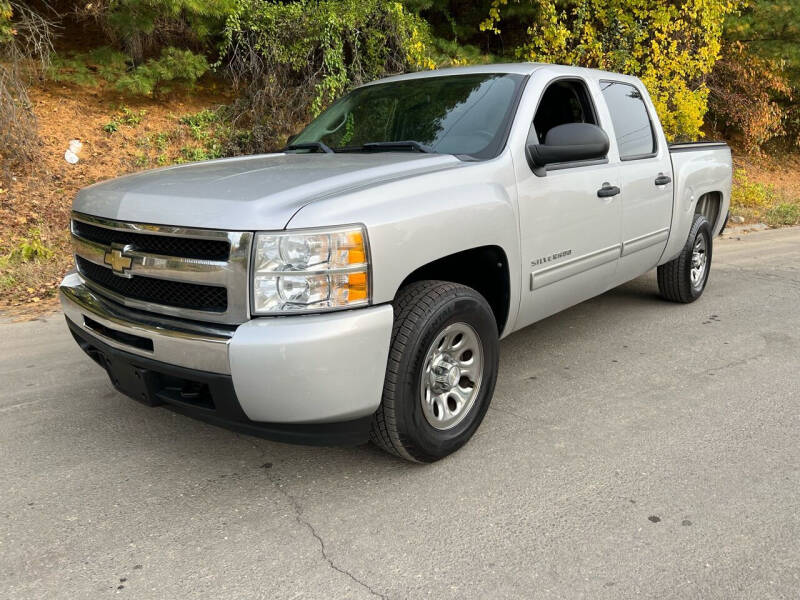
x,y
454,114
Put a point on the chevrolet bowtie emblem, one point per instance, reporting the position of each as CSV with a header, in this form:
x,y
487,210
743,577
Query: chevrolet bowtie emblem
x,y
117,260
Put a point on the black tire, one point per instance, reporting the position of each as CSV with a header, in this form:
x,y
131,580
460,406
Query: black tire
x,y
675,277
422,311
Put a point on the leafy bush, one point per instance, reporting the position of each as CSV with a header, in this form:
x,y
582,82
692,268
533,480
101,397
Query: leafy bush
x,y
743,88
747,194
293,58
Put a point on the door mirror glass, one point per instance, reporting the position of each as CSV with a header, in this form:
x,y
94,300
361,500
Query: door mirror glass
x,y
569,143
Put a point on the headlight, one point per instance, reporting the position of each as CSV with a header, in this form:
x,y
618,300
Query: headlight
x,y
310,271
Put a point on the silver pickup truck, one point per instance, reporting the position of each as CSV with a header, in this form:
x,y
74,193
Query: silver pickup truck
x,y
355,285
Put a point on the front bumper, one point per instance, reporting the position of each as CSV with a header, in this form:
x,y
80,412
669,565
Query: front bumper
x,y
275,372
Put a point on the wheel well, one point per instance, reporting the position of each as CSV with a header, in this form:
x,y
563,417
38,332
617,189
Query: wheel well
x,y
708,206
484,269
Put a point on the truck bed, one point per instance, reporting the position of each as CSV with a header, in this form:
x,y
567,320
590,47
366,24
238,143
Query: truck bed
x,y
698,168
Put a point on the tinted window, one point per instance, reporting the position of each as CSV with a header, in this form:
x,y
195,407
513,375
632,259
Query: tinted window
x,y
631,123
456,114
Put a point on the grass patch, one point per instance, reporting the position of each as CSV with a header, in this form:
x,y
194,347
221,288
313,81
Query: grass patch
x,y
785,213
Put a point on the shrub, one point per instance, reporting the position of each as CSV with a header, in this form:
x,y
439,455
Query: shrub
x,y
743,88
747,194
183,67
30,249
88,68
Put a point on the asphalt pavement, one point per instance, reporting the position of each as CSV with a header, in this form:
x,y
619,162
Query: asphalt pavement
x,y
634,448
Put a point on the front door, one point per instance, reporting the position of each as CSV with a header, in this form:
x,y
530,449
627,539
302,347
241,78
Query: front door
x,y
570,233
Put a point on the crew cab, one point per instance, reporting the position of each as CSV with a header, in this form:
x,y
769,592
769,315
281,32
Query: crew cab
x,y
355,285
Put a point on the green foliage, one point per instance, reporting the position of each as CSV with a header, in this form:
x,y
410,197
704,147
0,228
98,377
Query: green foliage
x,y
30,249
126,116
6,26
447,53
88,68
112,126
747,194
132,118
199,123
173,66
193,154
202,17
141,160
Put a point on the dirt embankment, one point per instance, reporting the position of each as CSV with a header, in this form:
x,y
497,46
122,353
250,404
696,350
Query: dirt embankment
x,y
119,135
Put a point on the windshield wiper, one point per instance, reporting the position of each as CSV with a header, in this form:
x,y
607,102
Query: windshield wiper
x,y
310,146
405,145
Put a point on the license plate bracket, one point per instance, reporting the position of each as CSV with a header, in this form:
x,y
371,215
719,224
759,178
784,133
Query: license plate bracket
x,y
132,381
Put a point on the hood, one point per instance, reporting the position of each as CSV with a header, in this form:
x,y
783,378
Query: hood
x,y
247,193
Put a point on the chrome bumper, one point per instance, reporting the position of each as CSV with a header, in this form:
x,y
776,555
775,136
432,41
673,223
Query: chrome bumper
x,y
194,346
324,368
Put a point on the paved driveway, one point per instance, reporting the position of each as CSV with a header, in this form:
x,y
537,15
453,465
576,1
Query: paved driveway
x,y
634,448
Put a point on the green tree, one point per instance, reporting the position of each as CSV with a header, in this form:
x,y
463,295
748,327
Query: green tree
x,y
765,37
671,46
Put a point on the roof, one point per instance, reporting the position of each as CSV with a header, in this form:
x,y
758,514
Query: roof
x,y
518,68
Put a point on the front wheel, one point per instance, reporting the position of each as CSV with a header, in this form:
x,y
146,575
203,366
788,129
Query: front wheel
x,y
684,278
441,372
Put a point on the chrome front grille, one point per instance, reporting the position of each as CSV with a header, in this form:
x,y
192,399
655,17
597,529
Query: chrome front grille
x,y
198,274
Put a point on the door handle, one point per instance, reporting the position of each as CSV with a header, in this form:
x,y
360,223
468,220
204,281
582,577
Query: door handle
x,y
663,179
607,190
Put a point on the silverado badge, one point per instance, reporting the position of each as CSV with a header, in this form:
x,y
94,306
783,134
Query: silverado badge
x,y
117,260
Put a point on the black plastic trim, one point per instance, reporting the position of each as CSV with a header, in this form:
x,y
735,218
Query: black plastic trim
x,y
725,222
211,399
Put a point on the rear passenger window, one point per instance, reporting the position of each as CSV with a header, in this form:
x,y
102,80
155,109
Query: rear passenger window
x,y
632,126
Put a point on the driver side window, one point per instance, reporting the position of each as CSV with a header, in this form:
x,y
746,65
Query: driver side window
x,y
564,101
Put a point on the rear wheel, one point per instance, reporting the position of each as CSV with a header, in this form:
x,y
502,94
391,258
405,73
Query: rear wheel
x,y
441,372
684,278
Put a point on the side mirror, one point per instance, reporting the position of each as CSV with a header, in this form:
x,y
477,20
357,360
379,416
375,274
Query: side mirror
x,y
568,143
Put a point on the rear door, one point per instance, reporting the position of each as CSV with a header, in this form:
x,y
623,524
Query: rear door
x,y
646,176
570,235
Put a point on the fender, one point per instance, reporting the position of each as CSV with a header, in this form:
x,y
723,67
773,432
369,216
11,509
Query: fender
x,y
413,222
